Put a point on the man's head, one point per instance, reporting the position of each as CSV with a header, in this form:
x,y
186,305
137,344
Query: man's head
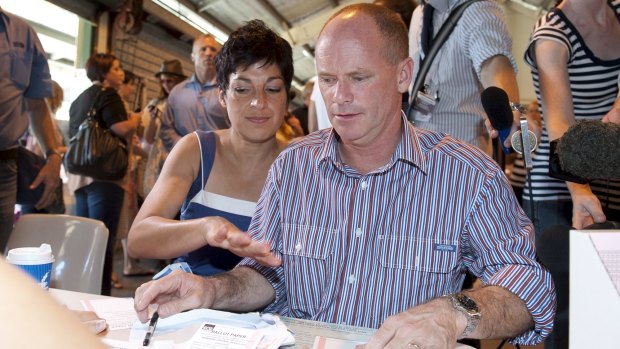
x,y
204,50
363,68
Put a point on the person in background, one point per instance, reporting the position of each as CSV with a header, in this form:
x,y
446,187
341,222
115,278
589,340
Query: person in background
x,y
302,112
58,204
131,184
98,199
25,82
193,104
576,39
476,55
374,222
215,177
169,75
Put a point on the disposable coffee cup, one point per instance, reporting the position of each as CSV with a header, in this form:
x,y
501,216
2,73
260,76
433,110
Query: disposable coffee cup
x,y
35,261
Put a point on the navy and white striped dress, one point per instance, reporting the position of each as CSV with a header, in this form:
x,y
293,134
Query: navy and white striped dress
x,y
594,88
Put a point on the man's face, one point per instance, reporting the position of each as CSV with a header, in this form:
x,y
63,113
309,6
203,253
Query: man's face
x,y
168,81
360,88
203,54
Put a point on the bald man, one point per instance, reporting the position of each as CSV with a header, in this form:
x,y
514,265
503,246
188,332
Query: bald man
x,y
374,222
193,104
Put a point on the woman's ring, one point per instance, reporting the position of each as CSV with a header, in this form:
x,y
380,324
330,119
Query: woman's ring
x,y
413,346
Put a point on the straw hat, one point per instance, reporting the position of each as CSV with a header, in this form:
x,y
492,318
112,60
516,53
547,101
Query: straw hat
x,y
172,67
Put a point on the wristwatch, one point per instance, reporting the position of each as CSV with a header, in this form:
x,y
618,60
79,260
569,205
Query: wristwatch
x,y
469,308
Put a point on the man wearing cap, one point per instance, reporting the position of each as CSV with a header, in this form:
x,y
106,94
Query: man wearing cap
x,y
170,74
193,104
24,83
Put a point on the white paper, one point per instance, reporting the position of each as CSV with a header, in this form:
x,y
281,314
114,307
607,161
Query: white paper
x,y
117,312
211,336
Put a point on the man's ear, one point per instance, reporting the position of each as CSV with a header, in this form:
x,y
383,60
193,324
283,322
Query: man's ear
x,y
405,73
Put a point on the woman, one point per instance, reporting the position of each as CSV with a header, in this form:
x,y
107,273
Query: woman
x,y
220,173
99,199
575,60
169,75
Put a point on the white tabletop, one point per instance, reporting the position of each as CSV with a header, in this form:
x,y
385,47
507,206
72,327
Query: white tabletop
x,y
305,330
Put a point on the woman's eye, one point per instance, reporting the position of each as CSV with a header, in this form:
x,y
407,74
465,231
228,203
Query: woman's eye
x,y
274,89
241,90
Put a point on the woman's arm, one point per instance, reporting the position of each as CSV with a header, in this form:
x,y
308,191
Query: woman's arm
x,y
124,128
552,61
155,233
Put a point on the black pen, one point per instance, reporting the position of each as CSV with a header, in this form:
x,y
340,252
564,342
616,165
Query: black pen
x,y
151,329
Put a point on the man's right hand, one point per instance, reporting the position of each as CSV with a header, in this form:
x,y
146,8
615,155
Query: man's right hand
x,y
173,294
221,233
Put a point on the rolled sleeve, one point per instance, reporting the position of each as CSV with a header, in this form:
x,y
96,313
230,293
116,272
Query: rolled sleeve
x,y
502,253
485,34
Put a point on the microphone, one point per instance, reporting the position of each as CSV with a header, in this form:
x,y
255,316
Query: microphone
x,y
589,149
496,105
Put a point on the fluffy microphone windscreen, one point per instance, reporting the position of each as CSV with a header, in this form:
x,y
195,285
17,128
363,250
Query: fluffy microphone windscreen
x,y
497,106
590,149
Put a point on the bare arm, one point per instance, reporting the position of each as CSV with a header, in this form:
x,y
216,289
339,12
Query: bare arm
x,y
437,324
125,128
155,234
498,71
43,129
552,60
31,310
152,127
242,289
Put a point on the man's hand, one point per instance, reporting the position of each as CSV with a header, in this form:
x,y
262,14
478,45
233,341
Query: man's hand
x,y
49,176
431,325
587,208
221,233
173,294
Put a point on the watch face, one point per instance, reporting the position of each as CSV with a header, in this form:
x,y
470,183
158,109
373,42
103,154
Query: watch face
x,y
467,303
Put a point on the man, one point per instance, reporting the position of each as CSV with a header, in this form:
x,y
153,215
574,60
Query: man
x,y
24,83
374,221
476,55
193,104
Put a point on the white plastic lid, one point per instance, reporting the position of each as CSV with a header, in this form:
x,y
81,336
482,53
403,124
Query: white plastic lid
x,y
31,255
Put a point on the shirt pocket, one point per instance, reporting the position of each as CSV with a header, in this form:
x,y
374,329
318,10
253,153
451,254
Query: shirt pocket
x,y
416,254
21,67
308,256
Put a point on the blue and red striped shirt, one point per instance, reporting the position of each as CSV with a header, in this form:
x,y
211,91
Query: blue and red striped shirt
x,y
357,248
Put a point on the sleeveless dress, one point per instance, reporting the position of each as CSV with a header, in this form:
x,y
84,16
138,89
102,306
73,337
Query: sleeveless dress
x,y
199,203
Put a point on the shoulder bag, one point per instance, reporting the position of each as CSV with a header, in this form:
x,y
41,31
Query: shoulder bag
x,y
95,151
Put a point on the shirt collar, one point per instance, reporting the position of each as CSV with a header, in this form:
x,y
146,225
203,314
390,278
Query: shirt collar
x,y
408,150
209,84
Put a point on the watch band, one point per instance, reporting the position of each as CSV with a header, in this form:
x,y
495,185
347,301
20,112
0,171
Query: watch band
x,y
51,152
469,308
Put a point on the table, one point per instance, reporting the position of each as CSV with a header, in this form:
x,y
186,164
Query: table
x,y
305,330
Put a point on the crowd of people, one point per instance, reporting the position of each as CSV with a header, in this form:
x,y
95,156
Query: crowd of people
x,y
363,218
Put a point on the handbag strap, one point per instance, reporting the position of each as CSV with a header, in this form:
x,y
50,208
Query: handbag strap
x,y
92,111
441,37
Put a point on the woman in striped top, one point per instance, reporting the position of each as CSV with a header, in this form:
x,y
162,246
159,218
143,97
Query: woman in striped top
x,y
575,60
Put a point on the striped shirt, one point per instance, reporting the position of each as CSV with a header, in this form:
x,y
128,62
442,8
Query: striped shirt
x,y
480,34
594,88
357,248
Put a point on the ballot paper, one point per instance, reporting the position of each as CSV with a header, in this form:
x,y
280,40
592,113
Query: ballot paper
x,y
321,342
117,312
212,336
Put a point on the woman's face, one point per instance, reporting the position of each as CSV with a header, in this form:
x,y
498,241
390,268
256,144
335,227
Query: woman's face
x,y
168,81
115,76
256,101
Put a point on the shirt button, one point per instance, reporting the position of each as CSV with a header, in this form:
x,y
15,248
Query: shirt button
x,y
298,247
364,185
358,232
351,278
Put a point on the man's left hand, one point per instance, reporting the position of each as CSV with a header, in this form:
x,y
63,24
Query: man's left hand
x,y
48,176
430,325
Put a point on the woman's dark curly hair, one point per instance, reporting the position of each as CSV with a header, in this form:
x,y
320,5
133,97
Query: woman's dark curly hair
x,y
252,43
